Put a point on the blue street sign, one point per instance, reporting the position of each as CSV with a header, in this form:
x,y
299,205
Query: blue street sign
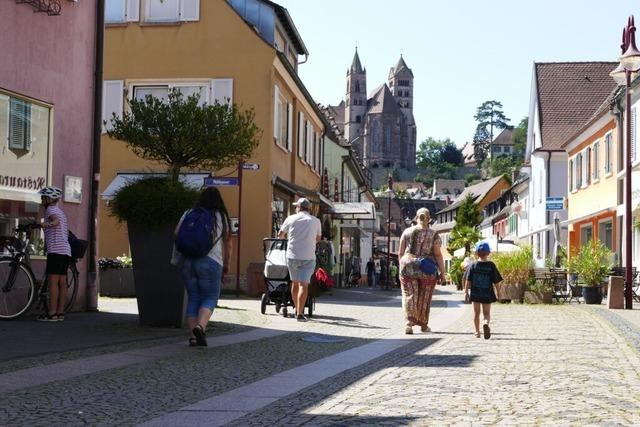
x,y
555,203
213,182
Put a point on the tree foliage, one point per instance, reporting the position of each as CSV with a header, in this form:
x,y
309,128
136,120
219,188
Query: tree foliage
x,y
439,158
180,133
490,117
463,237
520,137
468,213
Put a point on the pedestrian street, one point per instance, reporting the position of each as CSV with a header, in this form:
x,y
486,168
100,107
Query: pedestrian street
x,y
351,364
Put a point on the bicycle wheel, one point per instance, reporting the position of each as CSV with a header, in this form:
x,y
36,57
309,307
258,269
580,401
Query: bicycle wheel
x,y
17,289
72,286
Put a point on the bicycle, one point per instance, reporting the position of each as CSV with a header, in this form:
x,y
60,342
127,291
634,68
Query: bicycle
x,y
18,286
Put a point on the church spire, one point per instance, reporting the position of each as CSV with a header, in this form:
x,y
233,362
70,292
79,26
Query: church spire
x,y
356,66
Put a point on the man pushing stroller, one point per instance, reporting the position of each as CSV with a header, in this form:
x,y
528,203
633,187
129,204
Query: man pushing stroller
x,y
302,230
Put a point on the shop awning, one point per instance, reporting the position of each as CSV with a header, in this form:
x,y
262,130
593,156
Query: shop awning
x,y
122,179
353,210
19,195
295,189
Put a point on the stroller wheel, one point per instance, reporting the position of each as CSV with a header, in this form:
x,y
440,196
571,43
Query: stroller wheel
x,y
278,307
263,303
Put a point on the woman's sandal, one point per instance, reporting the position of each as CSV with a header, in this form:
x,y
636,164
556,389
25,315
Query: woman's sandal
x,y
59,316
193,342
408,330
46,317
425,328
201,336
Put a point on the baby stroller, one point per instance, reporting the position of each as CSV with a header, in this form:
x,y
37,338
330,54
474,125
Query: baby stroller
x,y
276,279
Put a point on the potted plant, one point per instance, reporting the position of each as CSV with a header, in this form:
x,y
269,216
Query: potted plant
x,y
179,133
456,272
515,268
592,264
538,292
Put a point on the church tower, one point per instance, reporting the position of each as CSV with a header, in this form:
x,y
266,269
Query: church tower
x,y
401,85
356,99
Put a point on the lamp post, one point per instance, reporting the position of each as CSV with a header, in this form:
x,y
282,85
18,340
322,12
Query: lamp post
x,y
628,68
388,261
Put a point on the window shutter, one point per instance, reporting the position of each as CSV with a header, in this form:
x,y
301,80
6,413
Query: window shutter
x,y
307,143
596,160
133,11
276,114
19,124
222,91
112,101
583,180
587,175
190,10
301,132
289,127
633,135
571,175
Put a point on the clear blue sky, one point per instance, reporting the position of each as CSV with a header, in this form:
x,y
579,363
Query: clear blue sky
x,y
462,53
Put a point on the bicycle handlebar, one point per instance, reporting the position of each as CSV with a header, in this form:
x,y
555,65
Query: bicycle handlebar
x,y
24,228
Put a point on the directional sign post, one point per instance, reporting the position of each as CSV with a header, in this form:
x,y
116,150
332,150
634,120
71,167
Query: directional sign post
x,y
555,203
211,181
251,166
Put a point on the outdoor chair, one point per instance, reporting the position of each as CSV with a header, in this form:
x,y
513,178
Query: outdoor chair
x,y
575,290
561,290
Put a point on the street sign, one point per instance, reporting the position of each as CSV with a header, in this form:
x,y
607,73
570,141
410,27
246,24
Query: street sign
x,y
213,182
555,203
250,166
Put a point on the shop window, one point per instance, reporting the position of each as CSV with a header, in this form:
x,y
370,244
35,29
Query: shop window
x,y
605,233
586,234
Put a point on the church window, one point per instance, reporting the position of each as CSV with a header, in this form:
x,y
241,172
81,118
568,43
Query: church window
x,y
358,119
375,137
357,86
387,139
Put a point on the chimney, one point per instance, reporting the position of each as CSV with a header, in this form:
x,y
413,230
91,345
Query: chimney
x,y
448,199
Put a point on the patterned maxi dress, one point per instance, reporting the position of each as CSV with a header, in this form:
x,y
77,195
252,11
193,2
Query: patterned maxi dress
x,y
417,292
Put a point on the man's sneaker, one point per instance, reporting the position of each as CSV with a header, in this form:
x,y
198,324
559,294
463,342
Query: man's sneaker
x,y
487,331
301,318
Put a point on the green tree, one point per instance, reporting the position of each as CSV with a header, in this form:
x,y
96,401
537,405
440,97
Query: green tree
x,y
452,154
439,159
503,166
183,134
468,213
490,117
520,137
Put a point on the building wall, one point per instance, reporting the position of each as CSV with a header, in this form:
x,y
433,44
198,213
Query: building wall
x,y
219,45
51,60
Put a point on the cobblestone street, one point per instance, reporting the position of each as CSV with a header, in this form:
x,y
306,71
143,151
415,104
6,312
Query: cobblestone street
x,y
350,365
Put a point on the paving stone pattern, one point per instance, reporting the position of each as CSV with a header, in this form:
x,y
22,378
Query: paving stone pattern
x,y
544,365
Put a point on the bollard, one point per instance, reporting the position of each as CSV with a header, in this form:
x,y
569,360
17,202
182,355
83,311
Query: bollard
x,y
615,300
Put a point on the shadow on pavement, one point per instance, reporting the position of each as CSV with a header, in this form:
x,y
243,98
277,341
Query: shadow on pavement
x,y
440,360
348,322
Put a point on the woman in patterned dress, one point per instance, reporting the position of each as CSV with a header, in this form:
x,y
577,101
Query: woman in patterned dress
x,y
419,241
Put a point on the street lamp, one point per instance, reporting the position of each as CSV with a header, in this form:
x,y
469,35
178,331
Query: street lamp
x,y
628,67
388,261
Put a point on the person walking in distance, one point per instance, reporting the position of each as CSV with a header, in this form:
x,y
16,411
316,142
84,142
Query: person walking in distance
x,y
56,239
482,275
202,236
302,230
371,271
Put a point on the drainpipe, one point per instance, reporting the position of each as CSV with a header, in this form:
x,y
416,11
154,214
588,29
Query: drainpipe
x,y
92,261
548,193
306,58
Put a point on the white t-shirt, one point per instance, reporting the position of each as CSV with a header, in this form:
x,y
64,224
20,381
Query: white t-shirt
x,y
302,230
216,252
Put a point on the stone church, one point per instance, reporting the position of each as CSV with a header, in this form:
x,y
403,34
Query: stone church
x,y
380,127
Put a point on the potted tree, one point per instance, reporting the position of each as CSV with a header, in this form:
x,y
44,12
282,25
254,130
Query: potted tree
x,y
179,133
515,268
592,264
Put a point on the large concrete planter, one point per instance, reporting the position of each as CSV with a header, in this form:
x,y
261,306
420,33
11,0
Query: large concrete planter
x,y
159,289
508,291
117,282
531,297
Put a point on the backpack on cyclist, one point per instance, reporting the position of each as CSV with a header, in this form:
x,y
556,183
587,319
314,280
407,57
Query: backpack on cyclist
x,y
195,235
78,246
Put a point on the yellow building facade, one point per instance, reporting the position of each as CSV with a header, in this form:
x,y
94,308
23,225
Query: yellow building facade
x,y
211,48
592,198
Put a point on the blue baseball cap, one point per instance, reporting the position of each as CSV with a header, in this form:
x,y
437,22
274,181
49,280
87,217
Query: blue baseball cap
x,y
483,247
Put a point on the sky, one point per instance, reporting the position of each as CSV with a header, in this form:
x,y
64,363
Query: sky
x,y
462,52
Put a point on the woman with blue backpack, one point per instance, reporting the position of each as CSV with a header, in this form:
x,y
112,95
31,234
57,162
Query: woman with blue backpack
x,y
202,237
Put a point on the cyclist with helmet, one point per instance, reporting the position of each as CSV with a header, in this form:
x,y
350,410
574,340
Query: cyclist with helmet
x,y
56,238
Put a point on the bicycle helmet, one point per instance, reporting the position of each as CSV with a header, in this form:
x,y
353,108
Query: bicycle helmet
x,y
53,193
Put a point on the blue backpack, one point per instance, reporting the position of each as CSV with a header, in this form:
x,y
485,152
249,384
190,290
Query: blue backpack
x,y
195,237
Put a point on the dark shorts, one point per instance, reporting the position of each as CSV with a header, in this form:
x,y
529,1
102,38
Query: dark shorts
x,y
57,264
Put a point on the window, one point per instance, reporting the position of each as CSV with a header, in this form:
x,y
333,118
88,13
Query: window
x,y
357,86
280,43
172,10
586,234
387,140
497,149
605,233
607,154
358,119
375,137
120,11
162,91
596,160
281,117
507,149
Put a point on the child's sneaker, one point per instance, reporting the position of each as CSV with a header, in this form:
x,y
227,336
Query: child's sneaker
x,y
487,331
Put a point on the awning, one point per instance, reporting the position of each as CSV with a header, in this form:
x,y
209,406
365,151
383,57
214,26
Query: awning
x,y
353,210
539,230
19,195
122,179
295,189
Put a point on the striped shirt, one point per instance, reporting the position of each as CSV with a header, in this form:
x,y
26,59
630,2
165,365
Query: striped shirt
x,y
56,238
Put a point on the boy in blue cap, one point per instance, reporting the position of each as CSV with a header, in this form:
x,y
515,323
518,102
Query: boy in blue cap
x,y
481,276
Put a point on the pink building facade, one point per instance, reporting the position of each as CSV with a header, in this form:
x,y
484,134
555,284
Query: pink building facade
x,y
47,98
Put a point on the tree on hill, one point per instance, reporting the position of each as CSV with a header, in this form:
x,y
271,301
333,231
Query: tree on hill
x,y
505,164
439,158
490,117
520,137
